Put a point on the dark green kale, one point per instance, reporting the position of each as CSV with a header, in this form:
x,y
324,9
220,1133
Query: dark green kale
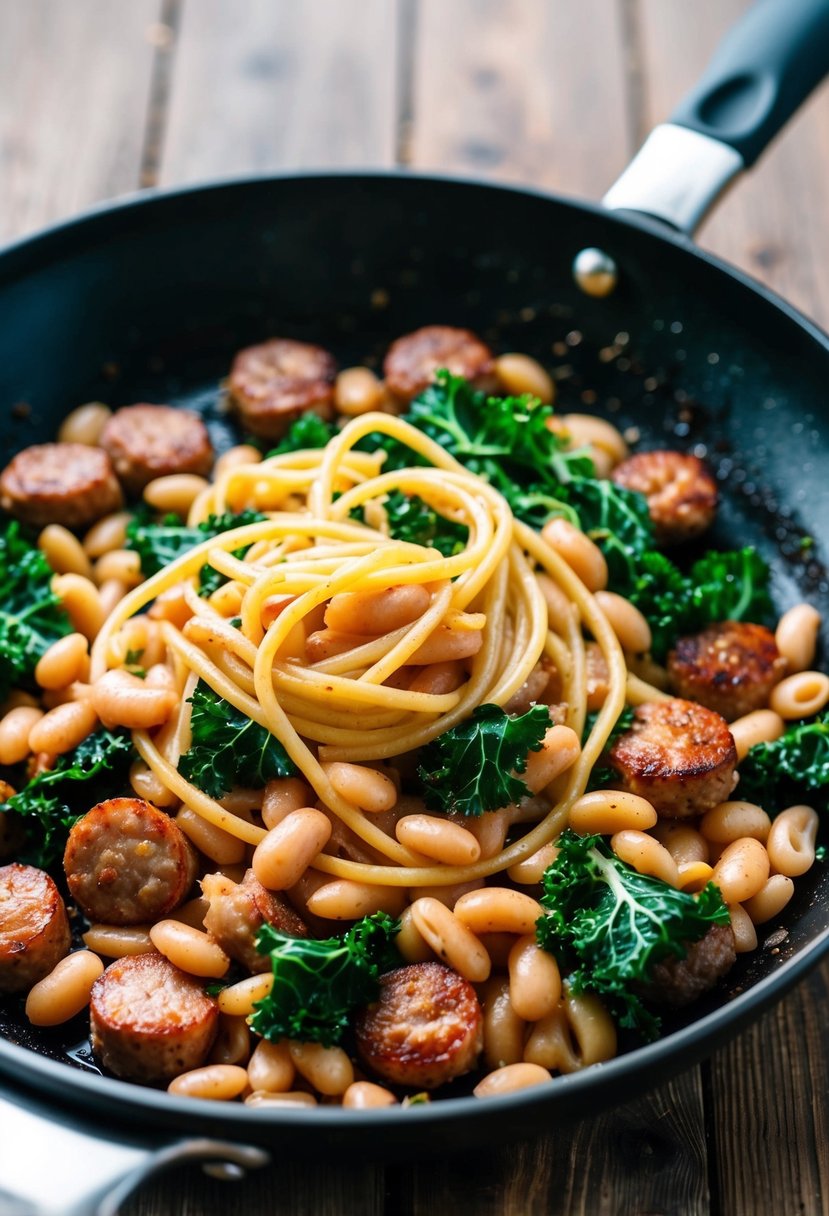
x,y
472,767
414,521
308,431
31,617
608,925
780,774
53,801
228,748
318,985
158,543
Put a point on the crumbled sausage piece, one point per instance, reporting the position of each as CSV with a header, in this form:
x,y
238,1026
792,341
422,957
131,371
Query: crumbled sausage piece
x,y
681,493
237,912
681,981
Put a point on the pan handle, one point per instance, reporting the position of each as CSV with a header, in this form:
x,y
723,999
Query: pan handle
x,y
52,1164
762,71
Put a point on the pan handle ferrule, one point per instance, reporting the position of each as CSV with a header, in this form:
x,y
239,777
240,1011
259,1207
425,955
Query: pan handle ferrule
x,y
676,176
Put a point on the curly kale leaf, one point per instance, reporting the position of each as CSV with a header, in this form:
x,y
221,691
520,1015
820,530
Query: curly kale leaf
x,y
308,431
779,774
228,748
318,985
472,767
31,617
158,543
53,801
609,925
413,520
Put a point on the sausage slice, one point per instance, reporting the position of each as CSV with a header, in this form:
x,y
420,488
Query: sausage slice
x,y
273,383
425,1029
678,755
128,863
681,981
681,493
34,927
149,441
730,667
149,1021
411,361
237,912
59,483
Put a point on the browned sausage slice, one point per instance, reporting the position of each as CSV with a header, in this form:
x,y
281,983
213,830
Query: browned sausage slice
x,y
681,981
59,483
411,361
678,755
148,441
681,493
276,381
239,910
34,927
425,1029
128,863
149,1021
730,667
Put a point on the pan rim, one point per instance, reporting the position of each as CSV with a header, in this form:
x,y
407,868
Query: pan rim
x,y
690,1042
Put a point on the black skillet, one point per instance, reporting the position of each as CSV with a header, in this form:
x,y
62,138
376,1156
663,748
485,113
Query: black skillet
x,y
148,299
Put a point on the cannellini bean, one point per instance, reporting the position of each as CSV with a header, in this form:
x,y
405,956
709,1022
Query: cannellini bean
x,y
239,999
176,493
685,844
584,558
409,942
232,1045
498,910
365,1095
510,1078
271,1068
15,729
108,533
122,699
288,849
534,979
65,661
451,940
521,374
344,899
760,726
82,602
646,855
608,811
504,1030
363,787
63,551
190,949
233,458
283,795
358,391
117,941
800,695
216,1082
65,991
791,841
297,1098
731,820
530,871
217,844
741,870
771,899
626,621
745,935
121,564
327,1069
438,838
796,636
588,430
377,612
559,750
63,728
84,424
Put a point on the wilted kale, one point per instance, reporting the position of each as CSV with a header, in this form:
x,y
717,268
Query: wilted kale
x,y
158,543
413,520
608,925
472,767
52,801
31,617
308,431
779,774
319,984
228,749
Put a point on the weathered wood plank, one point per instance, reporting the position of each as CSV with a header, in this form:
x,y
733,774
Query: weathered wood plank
x,y
774,224
649,1156
280,84
72,107
522,90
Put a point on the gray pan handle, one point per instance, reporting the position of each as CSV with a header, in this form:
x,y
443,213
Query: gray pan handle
x,y
54,1165
763,70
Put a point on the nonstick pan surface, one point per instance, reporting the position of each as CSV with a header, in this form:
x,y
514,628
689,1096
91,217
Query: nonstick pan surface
x,y
148,300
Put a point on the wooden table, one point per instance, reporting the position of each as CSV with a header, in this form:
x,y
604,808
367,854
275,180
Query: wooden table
x,y
101,97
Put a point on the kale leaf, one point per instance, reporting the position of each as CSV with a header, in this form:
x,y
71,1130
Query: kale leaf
x,y
228,748
413,520
472,767
319,984
308,431
158,543
779,774
53,801
608,925
31,617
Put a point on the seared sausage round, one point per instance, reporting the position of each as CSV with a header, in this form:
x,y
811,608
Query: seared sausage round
x,y
60,483
678,755
411,361
34,927
273,383
730,667
681,493
425,1029
127,862
237,912
681,981
149,1021
149,441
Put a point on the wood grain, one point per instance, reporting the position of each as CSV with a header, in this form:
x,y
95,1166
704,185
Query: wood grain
x,y
278,84
73,105
774,222
523,90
